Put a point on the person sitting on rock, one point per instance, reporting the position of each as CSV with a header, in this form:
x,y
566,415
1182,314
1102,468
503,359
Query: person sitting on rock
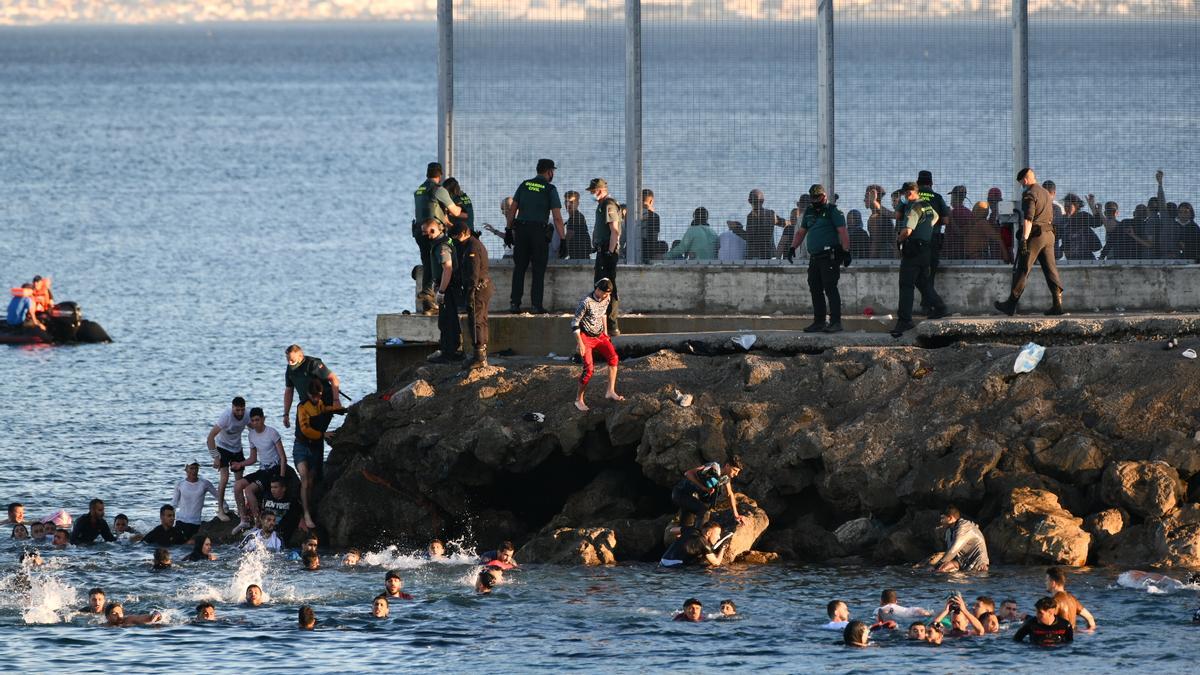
x,y
889,608
501,558
966,550
699,489
695,548
1046,627
487,579
692,611
962,622
1069,607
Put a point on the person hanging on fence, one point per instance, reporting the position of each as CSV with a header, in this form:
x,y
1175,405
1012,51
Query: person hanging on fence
x,y
530,233
606,238
1035,243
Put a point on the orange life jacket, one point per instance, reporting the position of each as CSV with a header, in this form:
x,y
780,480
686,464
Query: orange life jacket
x,y
19,292
43,299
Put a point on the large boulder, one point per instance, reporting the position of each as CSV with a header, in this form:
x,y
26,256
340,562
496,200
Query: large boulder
x,y
590,546
1035,529
754,522
1074,457
1105,524
1150,489
1179,450
957,477
856,536
1171,541
914,538
804,539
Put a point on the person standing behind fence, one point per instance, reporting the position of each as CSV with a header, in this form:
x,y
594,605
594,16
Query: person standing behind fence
x,y
760,227
828,250
431,200
471,271
606,238
1035,242
579,239
915,236
535,201
652,247
881,224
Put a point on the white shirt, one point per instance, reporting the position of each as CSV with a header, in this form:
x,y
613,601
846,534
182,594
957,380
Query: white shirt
x,y
265,445
732,247
893,611
189,500
230,436
254,541
835,625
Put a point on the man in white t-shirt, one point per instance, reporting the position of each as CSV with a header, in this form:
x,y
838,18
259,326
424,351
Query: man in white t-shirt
x,y
731,244
266,448
225,446
189,499
263,537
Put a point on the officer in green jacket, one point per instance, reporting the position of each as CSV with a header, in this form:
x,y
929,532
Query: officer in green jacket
x,y
448,295
535,202
828,251
431,200
606,238
914,236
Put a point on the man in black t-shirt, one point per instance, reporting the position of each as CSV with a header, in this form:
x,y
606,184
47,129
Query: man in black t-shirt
x,y
1046,628
301,370
695,548
167,533
92,525
282,501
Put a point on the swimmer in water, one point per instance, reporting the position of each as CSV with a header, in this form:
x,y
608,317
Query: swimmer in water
x,y
436,551
856,634
117,618
30,558
1008,611
352,557
254,596
206,612
692,611
306,618
20,532
991,622
501,558
62,539
310,544
312,561
934,634
1069,607
839,615
162,559
96,601
37,531
202,550
1047,627
728,609
890,609
393,586
916,631
962,622
380,607
487,580
121,527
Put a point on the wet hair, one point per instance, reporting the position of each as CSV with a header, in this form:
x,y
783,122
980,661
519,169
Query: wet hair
x,y
1022,173
832,607
112,607
915,624
257,412
1056,575
121,516
433,170
13,507
27,554
162,558
392,574
983,617
203,606
164,508
1046,604
985,600
280,480
292,349
486,578
1006,601
16,528
198,548
855,633
310,559
506,546
952,511
354,551
92,504
239,402
312,536
96,591
306,617
887,597
63,530
382,597
730,603
437,541
253,586
735,462
692,601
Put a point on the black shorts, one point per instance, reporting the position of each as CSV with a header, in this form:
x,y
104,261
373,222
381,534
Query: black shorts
x,y
264,477
228,457
189,530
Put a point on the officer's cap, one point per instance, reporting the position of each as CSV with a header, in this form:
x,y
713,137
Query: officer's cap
x,y
816,190
545,165
924,178
596,184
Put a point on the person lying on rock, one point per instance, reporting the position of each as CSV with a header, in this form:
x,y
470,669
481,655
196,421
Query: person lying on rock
x,y
1069,607
692,611
501,558
966,550
696,548
698,490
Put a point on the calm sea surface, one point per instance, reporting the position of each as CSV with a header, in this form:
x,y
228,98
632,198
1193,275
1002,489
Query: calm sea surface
x,y
211,195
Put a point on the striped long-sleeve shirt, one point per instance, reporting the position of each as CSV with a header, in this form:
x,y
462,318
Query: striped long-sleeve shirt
x,y
591,316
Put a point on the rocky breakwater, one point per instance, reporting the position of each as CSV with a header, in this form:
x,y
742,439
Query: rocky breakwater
x,y
850,453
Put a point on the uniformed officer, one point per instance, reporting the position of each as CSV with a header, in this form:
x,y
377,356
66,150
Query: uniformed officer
x,y
431,200
1035,242
535,201
828,250
471,270
914,235
606,239
463,200
925,189
448,296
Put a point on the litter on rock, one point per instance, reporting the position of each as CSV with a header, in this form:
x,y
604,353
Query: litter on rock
x,y
684,400
1189,353
534,417
745,341
395,342
1029,358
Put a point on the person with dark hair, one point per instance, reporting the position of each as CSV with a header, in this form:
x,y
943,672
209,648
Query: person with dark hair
x,y
467,218
579,239
881,226
652,247
500,558
436,550
966,550
699,242
701,486
1069,607
962,622
311,561
606,239
225,445
189,498
591,326
760,227
16,514
472,279
913,235
282,501
266,449
380,607
301,372
860,239
206,612
308,449
1189,232
62,538
446,294
201,550
162,559
117,618
1035,243
927,194
828,251
856,634
121,527
487,579
1046,627
430,201
89,526
352,558
19,532
839,615
393,586
692,611
728,609
96,600
528,229
1008,611
254,596
167,533
21,309
306,618
264,537
1079,239
890,608
701,546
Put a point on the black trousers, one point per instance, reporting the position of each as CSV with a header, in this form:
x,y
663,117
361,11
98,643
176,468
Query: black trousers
x,y
530,246
606,268
915,259
693,511
935,263
425,283
477,313
450,332
823,275
1041,249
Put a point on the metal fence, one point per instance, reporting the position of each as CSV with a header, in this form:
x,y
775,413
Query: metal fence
x,y
702,101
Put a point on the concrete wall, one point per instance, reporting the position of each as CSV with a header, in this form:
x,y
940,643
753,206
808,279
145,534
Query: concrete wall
x,y
743,289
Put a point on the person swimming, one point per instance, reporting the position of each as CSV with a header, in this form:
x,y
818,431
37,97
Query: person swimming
x,y
856,634
728,609
696,548
487,579
1046,627
692,611
254,596
306,618
501,558
206,612
117,618
380,607
162,559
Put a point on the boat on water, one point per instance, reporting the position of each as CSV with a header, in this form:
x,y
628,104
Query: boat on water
x,y
64,325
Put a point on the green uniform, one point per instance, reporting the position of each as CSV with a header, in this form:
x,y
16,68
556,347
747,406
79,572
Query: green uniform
x,y
443,252
535,199
464,203
607,211
921,218
822,223
430,201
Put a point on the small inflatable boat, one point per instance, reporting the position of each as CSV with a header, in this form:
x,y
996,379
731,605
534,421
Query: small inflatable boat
x,y
64,325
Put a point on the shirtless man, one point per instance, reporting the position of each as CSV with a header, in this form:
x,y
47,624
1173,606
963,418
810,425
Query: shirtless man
x,y
1069,607
117,618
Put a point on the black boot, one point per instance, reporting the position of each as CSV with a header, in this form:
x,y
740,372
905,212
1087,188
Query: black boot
x,y
1008,307
1056,309
479,360
834,326
817,326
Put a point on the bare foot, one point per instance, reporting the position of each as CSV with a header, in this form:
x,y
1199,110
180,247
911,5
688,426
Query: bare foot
x,y
614,396
581,406
308,522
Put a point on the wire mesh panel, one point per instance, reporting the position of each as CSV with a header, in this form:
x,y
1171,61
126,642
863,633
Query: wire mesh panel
x,y
1114,97
924,86
728,107
535,80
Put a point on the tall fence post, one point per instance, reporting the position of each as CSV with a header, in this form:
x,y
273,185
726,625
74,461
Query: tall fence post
x,y
825,97
1020,87
633,130
445,70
